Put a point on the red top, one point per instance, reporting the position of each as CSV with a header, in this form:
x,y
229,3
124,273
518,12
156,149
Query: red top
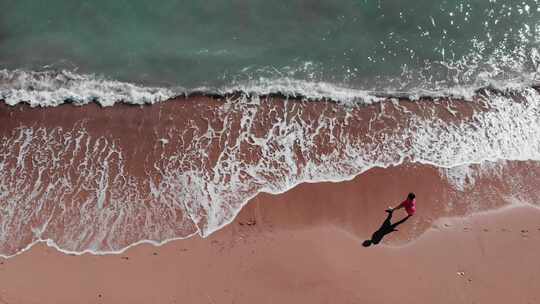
x,y
410,206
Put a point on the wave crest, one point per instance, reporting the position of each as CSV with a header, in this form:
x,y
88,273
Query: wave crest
x,y
52,88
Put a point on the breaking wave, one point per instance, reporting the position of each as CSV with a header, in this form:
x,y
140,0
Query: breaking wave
x,y
53,88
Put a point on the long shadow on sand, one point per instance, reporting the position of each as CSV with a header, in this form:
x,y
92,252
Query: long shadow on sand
x,y
386,228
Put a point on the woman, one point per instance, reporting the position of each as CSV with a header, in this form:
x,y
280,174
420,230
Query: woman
x,y
409,204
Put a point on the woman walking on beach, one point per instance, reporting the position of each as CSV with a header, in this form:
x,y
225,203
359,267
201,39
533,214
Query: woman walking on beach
x,y
387,227
409,204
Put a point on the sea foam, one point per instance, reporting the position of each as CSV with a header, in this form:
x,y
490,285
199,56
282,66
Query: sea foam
x,y
53,88
75,188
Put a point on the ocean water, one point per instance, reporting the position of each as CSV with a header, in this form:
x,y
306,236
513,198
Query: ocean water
x,y
91,179
172,47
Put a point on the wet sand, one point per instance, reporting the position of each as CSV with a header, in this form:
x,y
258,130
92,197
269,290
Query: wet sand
x,y
104,178
276,253
301,246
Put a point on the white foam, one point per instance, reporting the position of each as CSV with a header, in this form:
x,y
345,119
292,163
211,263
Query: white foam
x,y
464,177
307,89
52,88
324,90
209,193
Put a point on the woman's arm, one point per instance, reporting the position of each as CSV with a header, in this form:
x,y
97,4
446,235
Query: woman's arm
x,y
397,207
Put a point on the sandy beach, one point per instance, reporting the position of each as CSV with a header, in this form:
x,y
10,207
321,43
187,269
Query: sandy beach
x,y
279,255
100,179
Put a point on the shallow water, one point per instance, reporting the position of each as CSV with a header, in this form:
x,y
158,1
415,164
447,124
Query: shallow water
x,y
101,179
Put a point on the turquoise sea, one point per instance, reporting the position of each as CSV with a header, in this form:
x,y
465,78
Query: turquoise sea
x,y
392,45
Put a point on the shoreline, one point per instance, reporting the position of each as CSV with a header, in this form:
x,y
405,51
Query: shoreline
x,y
448,218
240,264
199,162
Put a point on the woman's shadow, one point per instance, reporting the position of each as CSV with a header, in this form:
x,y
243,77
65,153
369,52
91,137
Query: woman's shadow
x,y
386,228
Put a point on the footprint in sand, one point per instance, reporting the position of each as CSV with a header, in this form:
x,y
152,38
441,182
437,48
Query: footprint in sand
x,y
250,222
462,274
